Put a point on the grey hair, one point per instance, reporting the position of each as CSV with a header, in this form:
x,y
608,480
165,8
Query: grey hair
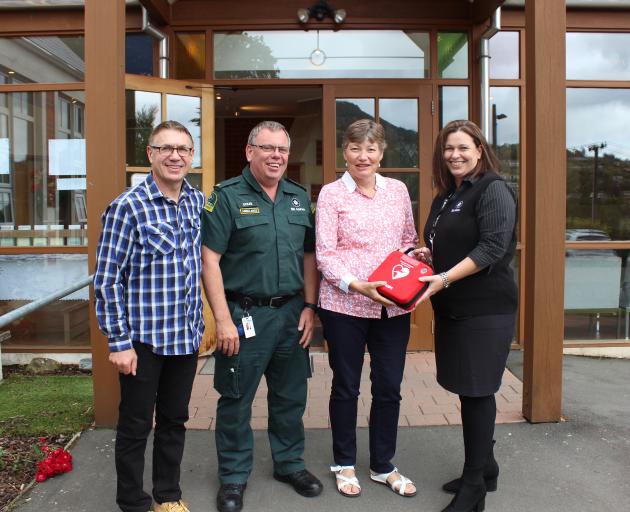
x,y
272,126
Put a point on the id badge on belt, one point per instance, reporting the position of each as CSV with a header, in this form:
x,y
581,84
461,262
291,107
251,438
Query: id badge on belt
x,y
246,328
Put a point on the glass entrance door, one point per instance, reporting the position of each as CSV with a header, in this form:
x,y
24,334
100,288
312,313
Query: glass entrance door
x,y
405,111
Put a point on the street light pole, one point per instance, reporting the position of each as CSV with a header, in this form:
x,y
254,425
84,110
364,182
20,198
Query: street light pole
x,y
595,148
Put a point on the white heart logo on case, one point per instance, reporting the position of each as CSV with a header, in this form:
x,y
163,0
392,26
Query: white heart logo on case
x,y
398,272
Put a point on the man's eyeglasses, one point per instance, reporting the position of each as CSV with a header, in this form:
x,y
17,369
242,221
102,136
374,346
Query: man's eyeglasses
x,y
168,150
269,148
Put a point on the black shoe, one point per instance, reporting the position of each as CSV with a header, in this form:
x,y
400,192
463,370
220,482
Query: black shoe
x,y
303,482
490,476
469,498
230,497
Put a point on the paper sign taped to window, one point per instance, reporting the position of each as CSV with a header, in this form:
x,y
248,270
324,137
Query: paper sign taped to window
x,y
71,184
4,156
66,157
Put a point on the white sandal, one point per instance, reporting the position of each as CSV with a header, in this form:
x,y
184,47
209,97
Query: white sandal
x,y
343,480
401,482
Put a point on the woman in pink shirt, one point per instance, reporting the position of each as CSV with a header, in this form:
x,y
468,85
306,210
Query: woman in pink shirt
x,y
361,218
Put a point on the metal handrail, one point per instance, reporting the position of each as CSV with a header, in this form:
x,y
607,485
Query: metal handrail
x,y
18,313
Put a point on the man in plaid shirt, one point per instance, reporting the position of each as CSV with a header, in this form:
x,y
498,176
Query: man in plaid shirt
x,y
148,304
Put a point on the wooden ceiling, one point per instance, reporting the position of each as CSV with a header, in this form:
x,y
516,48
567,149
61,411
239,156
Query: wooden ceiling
x,y
282,12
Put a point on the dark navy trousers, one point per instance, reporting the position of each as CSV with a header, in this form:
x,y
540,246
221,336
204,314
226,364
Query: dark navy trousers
x,y
386,340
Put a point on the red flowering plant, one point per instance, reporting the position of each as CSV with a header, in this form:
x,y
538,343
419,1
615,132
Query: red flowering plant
x,y
53,463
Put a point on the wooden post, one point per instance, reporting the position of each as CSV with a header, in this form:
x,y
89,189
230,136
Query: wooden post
x,y
545,181
105,151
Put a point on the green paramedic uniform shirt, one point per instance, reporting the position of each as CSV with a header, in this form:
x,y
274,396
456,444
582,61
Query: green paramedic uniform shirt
x,y
262,243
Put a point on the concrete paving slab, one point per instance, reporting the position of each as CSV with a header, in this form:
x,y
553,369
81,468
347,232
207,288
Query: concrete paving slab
x,y
581,464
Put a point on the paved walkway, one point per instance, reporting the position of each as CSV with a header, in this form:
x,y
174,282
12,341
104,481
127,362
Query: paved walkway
x,y
424,402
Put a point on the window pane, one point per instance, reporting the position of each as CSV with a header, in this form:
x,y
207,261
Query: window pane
x,y
50,59
139,54
348,111
321,54
598,166
596,304
187,110
143,113
598,56
412,181
504,53
453,55
399,117
63,322
190,55
505,136
453,104
42,170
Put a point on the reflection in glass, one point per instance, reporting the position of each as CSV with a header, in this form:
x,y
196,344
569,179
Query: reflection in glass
x,y
412,181
51,59
593,56
190,55
598,161
399,117
143,113
42,169
139,54
349,54
504,53
187,110
453,104
347,111
505,136
453,54
596,292
64,322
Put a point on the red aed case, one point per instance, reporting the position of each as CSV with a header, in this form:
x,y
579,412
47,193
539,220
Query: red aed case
x,y
401,273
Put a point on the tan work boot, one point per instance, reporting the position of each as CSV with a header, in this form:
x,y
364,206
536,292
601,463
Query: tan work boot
x,y
171,506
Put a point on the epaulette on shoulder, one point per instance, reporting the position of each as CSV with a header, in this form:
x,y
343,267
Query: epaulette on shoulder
x,y
229,182
296,184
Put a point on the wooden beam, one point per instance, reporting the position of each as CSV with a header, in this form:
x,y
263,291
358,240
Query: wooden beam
x,y
159,11
105,151
545,180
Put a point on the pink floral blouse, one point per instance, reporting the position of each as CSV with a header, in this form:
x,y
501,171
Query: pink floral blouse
x,y
354,234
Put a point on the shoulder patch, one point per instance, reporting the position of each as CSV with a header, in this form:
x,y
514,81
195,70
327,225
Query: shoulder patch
x,y
296,183
212,201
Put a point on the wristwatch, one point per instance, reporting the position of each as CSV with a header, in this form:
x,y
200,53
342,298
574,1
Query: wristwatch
x,y
310,305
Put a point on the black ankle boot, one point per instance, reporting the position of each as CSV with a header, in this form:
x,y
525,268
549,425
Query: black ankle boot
x,y
490,475
470,497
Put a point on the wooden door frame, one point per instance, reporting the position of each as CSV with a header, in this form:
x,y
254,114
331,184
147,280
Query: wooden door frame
x,y
421,337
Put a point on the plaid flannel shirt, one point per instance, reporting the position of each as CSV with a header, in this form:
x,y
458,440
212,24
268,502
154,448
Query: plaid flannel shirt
x,y
148,267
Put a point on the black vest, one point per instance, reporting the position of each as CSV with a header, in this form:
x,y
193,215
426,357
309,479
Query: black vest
x,y
492,291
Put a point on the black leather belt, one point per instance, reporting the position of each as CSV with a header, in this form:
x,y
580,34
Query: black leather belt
x,y
246,301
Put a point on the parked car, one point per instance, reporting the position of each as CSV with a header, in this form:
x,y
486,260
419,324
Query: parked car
x,y
588,235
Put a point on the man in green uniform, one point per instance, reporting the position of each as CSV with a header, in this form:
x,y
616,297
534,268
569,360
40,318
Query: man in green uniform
x,y
261,280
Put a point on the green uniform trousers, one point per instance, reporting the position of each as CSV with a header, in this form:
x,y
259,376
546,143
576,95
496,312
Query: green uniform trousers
x,y
276,353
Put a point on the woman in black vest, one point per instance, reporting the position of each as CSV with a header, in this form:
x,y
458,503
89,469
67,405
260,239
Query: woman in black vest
x,y
470,239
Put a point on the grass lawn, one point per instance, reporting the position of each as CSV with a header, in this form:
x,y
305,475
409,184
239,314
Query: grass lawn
x,y
45,405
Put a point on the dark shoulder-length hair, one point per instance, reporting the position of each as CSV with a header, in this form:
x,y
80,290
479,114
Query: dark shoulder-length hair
x,y
488,162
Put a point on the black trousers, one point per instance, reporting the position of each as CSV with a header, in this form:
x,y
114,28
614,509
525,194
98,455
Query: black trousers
x,y
162,384
386,340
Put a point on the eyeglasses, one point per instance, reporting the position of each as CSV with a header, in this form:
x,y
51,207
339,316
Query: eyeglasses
x,y
269,148
168,150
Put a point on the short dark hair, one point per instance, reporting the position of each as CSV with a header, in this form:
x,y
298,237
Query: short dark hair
x,y
443,178
170,125
362,130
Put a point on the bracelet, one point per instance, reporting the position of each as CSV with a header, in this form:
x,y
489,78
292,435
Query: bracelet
x,y
310,305
445,282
